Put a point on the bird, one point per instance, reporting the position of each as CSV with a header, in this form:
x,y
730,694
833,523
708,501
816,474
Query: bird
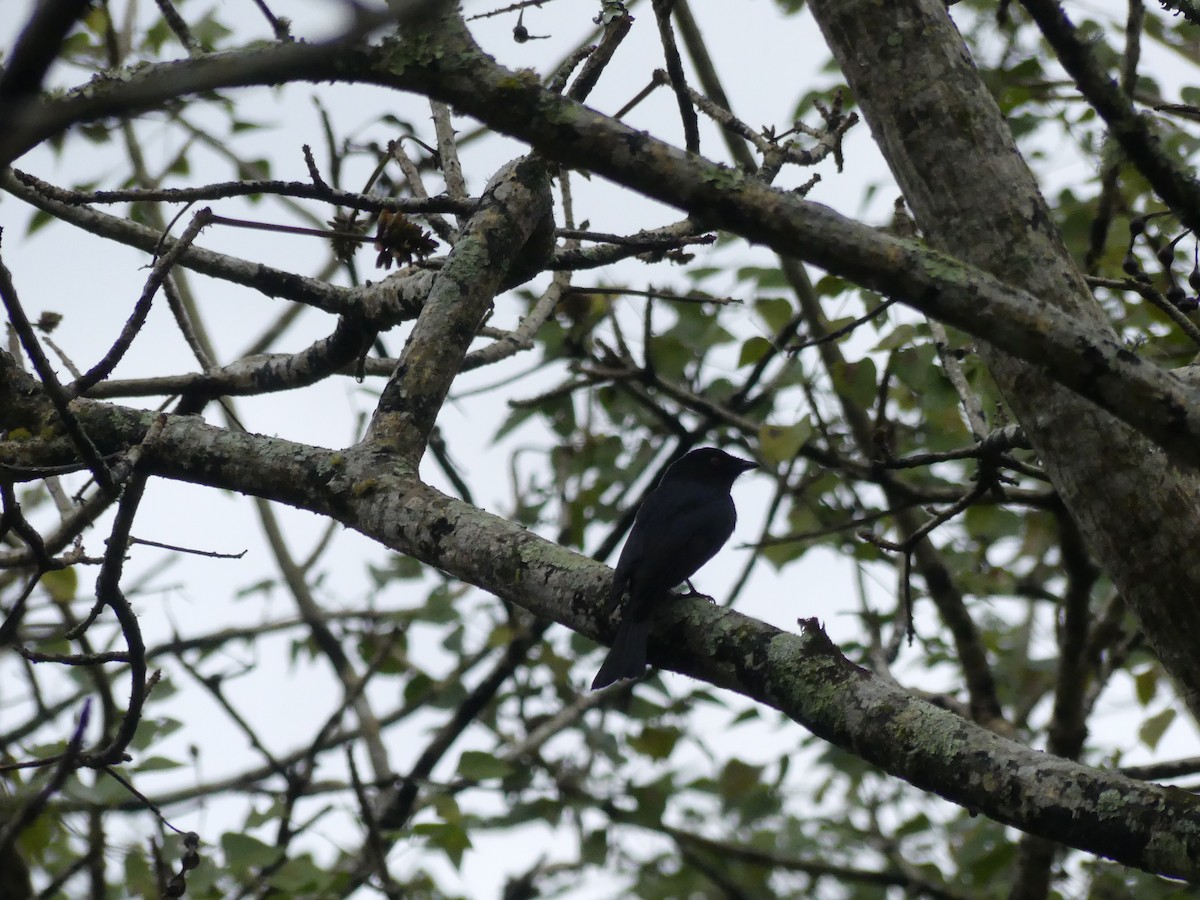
x,y
679,527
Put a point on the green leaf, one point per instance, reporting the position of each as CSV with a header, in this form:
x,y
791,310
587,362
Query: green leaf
x,y
151,729
266,587
157,764
917,824
746,715
832,286
447,808
779,444
699,273
61,584
450,839
255,168
856,381
96,132
439,606
990,523
518,417
753,350
156,36
79,44
594,848
655,742
774,311
139,878
395,644
38,221
418,688
209,32
900,336
243,853
103,792
1145,685
265,815
1154,727
479,766
737,780
780,554
300,874
763,277
651,799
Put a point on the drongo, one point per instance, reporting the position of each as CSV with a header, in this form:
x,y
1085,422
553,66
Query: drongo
x,y
680,525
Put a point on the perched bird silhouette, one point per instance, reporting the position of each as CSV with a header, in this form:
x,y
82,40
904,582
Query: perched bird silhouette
x,y
680,525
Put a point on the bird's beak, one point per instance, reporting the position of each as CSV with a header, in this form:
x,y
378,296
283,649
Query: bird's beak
x,y
746,465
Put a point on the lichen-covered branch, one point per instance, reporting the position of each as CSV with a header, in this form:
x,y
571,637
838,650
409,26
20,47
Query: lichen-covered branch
x,y
513,220
803,675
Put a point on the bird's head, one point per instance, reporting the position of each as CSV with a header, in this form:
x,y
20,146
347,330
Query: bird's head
x,y
708,465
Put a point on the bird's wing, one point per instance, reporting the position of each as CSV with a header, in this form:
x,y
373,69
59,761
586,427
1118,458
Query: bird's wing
x,y
676,532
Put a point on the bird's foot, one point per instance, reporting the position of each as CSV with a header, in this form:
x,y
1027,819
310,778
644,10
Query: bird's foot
x,y
692,592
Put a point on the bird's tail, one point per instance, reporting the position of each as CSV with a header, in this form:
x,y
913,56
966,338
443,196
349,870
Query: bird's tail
x,y
627,658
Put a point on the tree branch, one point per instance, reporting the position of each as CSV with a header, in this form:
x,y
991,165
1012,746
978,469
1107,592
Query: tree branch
x,y
803,676
514,217
1178,187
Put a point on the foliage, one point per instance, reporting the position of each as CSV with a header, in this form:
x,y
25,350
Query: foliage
x,y
351,720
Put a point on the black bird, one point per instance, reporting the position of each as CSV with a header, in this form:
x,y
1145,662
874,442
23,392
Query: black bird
x,y
680,525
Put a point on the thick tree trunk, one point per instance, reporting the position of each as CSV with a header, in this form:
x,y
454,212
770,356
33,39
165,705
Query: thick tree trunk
x,y
973,197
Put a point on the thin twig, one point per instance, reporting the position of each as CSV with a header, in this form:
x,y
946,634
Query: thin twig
x,y
141,309
50,383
